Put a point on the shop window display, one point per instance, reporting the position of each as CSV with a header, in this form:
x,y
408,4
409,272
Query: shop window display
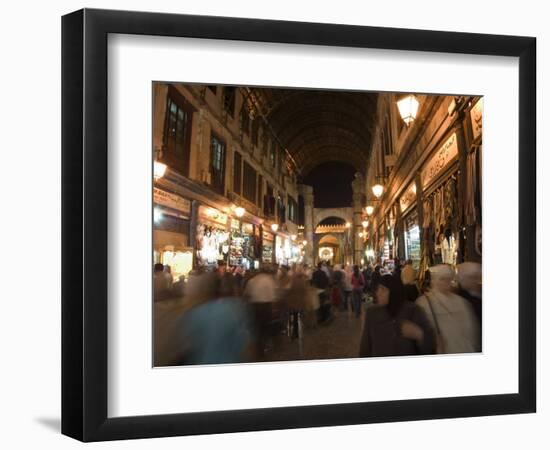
x,y
212,245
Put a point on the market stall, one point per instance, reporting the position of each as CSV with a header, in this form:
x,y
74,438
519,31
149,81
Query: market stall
x,y
267,247
212,237
243,250
171,230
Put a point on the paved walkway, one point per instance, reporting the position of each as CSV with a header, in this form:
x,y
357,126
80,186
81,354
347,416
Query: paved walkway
x,y
338,339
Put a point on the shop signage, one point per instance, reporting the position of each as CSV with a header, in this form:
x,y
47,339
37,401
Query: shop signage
x,y
213,215
476,117
248,228
408,198
170,200
446,154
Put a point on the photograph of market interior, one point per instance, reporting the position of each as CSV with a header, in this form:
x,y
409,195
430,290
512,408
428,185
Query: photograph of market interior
x,y
308,224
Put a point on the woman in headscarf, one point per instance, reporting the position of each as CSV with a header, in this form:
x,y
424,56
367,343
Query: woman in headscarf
x,y
452,316
394,326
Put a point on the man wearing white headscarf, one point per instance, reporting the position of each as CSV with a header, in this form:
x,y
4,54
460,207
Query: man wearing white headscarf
x,y
452,316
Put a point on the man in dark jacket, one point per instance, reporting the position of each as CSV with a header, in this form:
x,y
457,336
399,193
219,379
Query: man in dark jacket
x,y
320,280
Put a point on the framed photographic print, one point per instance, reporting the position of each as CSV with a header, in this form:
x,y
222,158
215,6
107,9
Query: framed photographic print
x,y
273,224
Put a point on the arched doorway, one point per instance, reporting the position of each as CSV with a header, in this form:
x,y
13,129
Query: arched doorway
x,y
330,249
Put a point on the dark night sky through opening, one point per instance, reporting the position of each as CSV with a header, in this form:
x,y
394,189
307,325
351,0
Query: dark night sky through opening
x,y
331,183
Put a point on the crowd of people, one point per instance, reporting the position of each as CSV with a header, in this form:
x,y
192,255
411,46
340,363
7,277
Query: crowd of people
x,y
229,315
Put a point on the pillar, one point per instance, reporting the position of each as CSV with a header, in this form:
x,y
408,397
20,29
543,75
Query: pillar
x,y
307,193
357,242
160,93
466,249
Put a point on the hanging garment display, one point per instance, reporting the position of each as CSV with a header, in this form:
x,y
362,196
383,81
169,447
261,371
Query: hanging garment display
x,y
470,215
212,244
450,206
428,212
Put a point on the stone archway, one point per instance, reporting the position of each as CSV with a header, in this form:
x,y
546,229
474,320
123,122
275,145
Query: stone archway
x,y
320,214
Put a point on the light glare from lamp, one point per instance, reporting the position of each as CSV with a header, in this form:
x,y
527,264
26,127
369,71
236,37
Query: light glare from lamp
x,y
369,209
239,211
408,108
159,169
157,215
274,227
378,190
365,223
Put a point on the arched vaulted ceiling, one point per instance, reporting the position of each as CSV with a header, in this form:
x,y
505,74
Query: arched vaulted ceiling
x,y
317,126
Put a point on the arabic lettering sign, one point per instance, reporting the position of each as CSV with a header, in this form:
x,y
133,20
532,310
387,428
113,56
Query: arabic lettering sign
x,y
170,200
408,198
476,117
446,154
213,215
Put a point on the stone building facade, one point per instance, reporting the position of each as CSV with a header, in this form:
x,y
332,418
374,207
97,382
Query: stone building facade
x,y
430,210
226,165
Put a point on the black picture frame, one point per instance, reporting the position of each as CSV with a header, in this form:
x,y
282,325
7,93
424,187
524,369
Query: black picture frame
x,y
84,224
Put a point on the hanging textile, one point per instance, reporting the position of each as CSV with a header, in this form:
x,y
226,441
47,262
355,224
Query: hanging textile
x,y
428,212
438,210
450,206
478,197
470,213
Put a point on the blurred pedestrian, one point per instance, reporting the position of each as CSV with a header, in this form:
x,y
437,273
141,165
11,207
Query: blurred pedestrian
x,y
375,278
161,283
452,316
321,281
262,294
394,326
469,281
408,278
337,288
348,288
357,282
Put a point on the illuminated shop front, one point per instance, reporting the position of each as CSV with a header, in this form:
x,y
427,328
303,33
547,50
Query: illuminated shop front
x,y
243,249
440,206
283,251
212,237
171,229
412,238
268,240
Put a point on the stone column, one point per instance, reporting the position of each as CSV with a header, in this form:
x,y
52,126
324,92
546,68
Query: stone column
x,y
307,193
160,92
466,248
357,242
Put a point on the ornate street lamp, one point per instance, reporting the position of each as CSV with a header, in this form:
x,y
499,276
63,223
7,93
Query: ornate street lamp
x,y
369,210
239,211
378,190
274,227
365,223
408,107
